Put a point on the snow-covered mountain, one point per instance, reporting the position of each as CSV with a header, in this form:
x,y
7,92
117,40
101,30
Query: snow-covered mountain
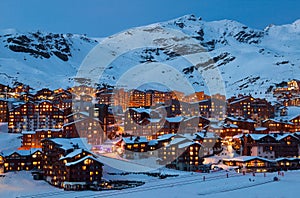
x,y
41,59
244,60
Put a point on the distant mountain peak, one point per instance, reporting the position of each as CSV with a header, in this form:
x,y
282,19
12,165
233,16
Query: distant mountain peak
x,y
249,60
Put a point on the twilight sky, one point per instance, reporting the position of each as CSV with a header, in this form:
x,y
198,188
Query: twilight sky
x,y
100,18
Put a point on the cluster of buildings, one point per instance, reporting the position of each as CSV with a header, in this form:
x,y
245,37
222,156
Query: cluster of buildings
x,y
176,129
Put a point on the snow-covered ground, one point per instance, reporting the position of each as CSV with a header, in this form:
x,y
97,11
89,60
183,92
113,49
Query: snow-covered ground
x,y
9,141
20,184
186,184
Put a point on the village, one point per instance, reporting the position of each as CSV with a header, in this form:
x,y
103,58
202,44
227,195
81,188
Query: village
x,y
65,131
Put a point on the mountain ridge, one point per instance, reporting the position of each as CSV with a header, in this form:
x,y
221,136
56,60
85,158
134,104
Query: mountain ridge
x,y
249,60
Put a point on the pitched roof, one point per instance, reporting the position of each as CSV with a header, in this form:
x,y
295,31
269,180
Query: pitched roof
x,y
82,159
165,137
20,152
240,119
132,140
174,119
206,135
74,153
247,158
187,144
69,143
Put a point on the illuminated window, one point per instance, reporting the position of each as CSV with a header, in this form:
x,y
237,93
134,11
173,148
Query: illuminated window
x,y
87,161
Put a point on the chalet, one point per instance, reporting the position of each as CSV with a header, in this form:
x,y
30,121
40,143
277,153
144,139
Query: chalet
x,y
88,127
182,154
63,99
291,114
246,124
230,130
249,107
211,142
82,173
172,125
105,96
288,163
22,160
31,116
261,130
33,139
275,125
251,163
19,89
139,98
195,123
295,101
270,146
82,90
135,147
43,94
289,88
136,120
68,163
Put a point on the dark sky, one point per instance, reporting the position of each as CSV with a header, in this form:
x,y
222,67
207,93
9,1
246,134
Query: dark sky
x,y
101,18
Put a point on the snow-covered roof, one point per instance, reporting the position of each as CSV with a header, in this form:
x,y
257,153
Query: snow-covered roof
x,y
74,153
206,135
257,136
132,140
81,112
153,120
238,136
193,117
28,132
279,120
280,136
239,100
82,159
261,128
247,158
177,141
142,110
230,126
292,113
69,143
187,144
54,130
175,119
240,119
189,136
20,152
165,137
287,159
153,142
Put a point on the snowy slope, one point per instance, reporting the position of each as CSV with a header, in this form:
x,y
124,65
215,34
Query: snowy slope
x,y
187,54
216,185
41,59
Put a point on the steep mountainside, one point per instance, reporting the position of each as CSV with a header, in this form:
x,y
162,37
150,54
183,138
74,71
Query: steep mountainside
x,y
247,60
